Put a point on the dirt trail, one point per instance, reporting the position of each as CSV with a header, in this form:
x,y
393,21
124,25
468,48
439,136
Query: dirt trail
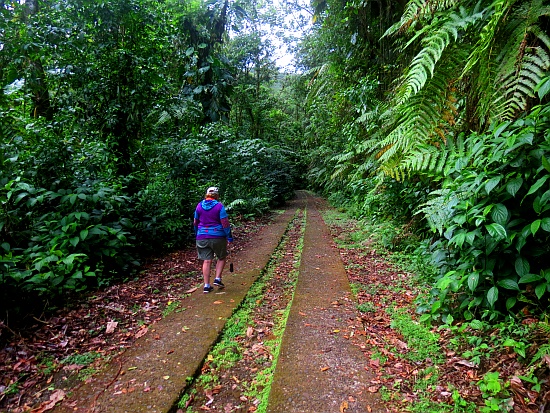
x,y
319,370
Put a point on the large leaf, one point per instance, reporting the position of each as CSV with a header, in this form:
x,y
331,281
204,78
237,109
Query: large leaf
x,y
540,290
514,185
509,284
473,280
522,266
529,278
492,296
491,184
496,231
538,184
500,214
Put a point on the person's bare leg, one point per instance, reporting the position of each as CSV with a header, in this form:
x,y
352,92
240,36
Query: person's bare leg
x,y
206,265
219,268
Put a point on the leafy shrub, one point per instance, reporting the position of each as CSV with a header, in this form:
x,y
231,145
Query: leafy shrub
x,y
62,240
493,213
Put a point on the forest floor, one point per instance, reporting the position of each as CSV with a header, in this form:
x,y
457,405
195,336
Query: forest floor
x,y
40,364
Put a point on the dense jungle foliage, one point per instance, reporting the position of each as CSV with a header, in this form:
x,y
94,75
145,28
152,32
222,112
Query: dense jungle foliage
x,y
114,119
116,115
435,114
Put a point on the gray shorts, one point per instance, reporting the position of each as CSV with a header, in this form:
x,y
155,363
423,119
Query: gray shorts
x,y
207,248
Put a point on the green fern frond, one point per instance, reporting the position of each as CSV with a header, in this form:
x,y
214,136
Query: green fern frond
x,y
181,111
487,35
542,351
419,11
444,32
507,79
318,82
518,87
420,120
544,327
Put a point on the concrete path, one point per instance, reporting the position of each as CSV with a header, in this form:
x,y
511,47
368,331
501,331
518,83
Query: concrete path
x,y
319,370
151,375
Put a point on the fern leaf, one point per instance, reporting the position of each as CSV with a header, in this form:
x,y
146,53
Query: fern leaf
x,y
445,32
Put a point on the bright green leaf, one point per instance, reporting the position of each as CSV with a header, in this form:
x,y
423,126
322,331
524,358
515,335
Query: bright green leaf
x,y
529,278
458,239
538,184
496,231
490,185
535,225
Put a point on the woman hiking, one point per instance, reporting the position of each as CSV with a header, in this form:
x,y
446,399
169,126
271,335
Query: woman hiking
x,y
213,232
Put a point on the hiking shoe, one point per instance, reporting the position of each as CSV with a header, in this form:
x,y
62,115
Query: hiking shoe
x,y
208,289
218,283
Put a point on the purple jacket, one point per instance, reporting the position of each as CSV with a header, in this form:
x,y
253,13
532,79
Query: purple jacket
x,y
210,220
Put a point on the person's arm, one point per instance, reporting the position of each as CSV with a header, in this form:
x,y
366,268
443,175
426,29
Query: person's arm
x,y
225,224
196,222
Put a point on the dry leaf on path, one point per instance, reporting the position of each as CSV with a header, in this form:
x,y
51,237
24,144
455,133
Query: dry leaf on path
x,y
210,396
111,326
344,406
141,332
324,368
55,397
218,302
192,290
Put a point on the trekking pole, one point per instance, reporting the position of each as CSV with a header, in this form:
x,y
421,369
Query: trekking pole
x,y
230,259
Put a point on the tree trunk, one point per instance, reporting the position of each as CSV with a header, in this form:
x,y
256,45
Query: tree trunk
x,y
37,75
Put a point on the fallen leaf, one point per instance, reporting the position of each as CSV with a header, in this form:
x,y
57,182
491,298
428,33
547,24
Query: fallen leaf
x,y
55,397
111,325
344,406
192,290
165,377
218,302
141,332
373,389
325,368
209,395
249,331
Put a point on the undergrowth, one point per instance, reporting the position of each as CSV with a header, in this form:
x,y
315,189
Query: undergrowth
x,y
504,353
